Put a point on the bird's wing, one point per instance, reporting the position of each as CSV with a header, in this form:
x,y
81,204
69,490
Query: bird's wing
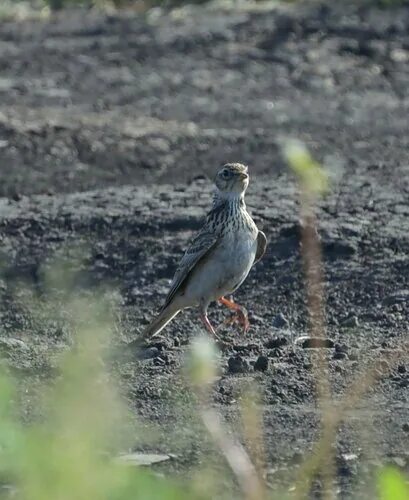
x,y
201,244
261,246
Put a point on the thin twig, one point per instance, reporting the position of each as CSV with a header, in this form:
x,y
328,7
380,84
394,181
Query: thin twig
x,y
313,268
235,455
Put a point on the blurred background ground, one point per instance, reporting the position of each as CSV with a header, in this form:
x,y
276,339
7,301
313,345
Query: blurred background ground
x,y
91,100
141,108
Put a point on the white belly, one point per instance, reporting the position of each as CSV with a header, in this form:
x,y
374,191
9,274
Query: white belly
x,y
225,270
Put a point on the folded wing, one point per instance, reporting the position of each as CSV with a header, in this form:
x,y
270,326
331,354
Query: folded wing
x,y
261,246
199,247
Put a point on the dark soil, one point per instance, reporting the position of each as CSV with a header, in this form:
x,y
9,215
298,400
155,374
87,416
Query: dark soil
x,y
109,126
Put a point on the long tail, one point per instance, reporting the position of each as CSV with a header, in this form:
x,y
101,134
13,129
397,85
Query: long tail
x,y
158,323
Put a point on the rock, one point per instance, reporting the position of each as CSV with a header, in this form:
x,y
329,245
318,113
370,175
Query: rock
x,y
237,364
16,196
315,342
261,364
341,348
350,322
276,342
139,459
161,360
340,355
339,249
341,352
280,321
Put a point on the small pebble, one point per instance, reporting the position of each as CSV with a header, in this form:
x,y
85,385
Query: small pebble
x,y
341,352
341,348
160,361
276,342
315,342
350,322
237,364
16,196
340,355
280,321
261,364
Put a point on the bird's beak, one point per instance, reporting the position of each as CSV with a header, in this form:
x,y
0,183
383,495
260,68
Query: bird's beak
x,y
243,176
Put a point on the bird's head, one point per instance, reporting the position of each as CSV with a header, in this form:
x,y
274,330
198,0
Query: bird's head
x,y
232,179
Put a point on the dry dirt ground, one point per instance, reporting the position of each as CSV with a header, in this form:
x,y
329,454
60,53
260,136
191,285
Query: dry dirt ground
x,y
109,127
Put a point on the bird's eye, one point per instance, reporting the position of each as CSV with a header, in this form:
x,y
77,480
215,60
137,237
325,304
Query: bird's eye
x,y
225,174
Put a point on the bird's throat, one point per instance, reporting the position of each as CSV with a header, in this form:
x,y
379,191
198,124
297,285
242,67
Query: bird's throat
x,y
227,198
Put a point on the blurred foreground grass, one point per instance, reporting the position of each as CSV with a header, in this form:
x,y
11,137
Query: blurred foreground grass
x,y
70,454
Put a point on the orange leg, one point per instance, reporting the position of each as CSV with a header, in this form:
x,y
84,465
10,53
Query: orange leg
x,y
207,324
205,320
240,315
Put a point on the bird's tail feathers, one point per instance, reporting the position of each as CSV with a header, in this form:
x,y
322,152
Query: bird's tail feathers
x,y
161,320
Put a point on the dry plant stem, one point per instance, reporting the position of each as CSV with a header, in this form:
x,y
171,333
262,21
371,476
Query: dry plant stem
x,y
253,432
340,411
313,268
234,453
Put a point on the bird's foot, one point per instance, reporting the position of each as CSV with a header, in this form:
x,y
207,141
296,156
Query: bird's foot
x,y
240,315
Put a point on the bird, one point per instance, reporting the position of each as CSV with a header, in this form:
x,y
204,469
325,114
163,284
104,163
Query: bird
x,y
219,256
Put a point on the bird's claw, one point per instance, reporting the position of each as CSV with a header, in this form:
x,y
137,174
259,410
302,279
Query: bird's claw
x,y
241,317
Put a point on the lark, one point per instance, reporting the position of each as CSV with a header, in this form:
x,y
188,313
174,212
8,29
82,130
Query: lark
x,y
219,257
